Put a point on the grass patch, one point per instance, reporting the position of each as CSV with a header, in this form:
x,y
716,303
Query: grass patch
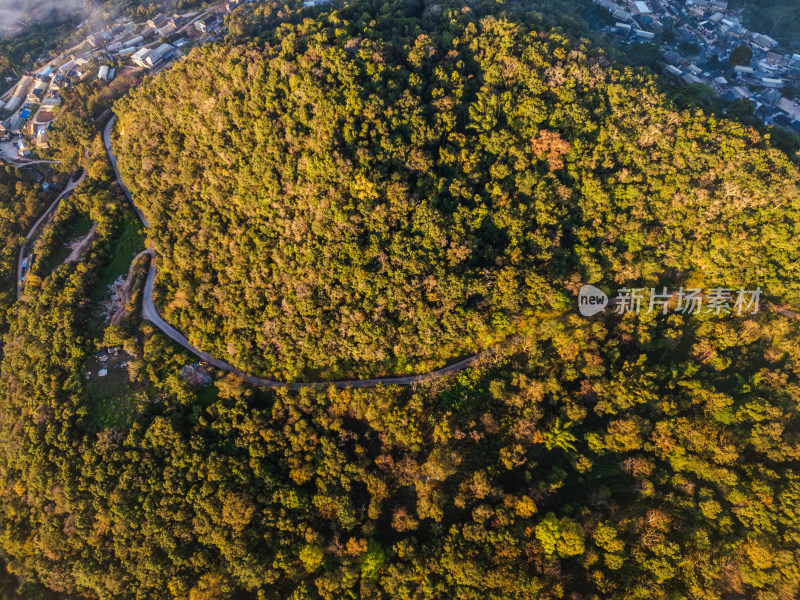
x,y
81,226
207,395
129,242
112,401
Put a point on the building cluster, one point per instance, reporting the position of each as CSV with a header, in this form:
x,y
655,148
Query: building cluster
x,y
131,41
28,109
713,30
43,90
164,26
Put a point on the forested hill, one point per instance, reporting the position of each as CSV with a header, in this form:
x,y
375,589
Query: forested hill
x,y
379,190
331,203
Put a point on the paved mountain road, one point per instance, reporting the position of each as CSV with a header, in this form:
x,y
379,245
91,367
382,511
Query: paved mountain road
x,y
113,159
150,313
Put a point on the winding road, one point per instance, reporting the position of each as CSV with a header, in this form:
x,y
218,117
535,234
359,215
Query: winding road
x,y
150,313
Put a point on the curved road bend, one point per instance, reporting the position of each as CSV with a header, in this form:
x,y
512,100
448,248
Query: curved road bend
x,y
71,185
150,313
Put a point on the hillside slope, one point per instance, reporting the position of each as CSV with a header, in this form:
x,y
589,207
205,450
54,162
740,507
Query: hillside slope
x,y
332,204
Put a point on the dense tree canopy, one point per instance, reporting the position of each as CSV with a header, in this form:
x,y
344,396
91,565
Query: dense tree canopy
x,y
335,199
331,203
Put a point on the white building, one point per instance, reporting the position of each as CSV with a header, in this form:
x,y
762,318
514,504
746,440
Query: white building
x,y
151,57
139,56
163,52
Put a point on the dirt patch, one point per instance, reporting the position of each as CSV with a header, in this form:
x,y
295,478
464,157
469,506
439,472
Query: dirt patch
x,y
80,245
9,150
196,375
118,299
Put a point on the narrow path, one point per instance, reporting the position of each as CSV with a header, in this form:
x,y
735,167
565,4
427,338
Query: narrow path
x,y
80,245
150,313
30,163
71,185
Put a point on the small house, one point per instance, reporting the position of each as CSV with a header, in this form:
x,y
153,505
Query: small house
x,y
769,97
140,56
134,42
163,52
66,67
764,41
98,39
691,78
14,125
671,58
